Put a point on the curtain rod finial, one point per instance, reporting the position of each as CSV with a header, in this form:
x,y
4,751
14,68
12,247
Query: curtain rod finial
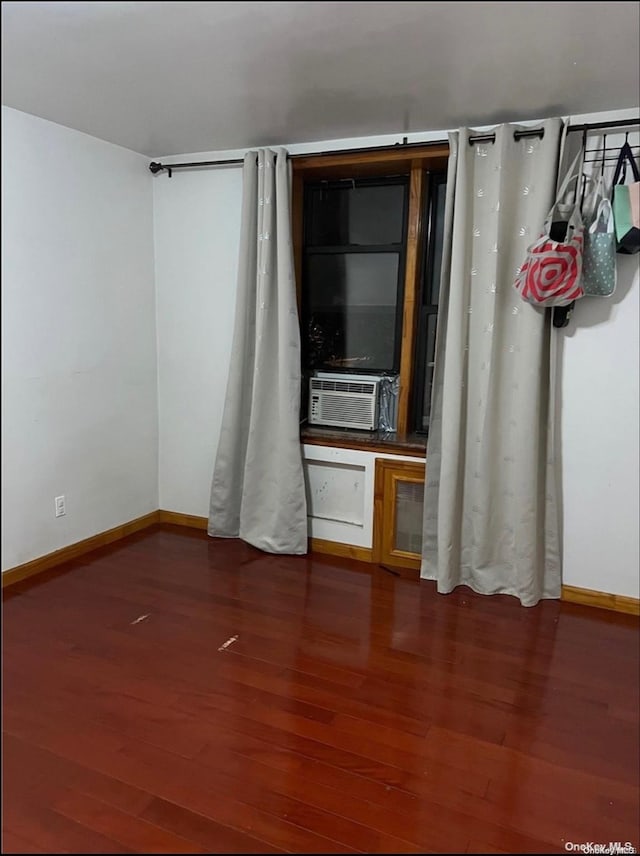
x,y
156,167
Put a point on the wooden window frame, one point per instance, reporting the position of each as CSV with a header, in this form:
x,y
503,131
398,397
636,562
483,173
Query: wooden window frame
x,y
414,162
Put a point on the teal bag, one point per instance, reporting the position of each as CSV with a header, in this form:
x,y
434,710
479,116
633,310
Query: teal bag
x,y
599,258
626,203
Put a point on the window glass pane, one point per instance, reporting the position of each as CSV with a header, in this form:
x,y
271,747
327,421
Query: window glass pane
x,y
432,291
356,215
409,512
428,374
352,279
350,310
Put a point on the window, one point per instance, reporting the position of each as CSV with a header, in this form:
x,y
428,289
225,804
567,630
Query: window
x,y
353,274
368,233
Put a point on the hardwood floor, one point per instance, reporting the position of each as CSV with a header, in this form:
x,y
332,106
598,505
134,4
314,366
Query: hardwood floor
x,y
352,710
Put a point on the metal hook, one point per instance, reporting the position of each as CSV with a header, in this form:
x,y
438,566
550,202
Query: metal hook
x,y
604,153
623,177
583,177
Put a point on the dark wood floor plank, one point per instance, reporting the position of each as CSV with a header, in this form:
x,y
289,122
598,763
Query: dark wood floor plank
x,y
262,794
196,827
52,831
43,773
12,843
310,804
483,847
134,833
125,714
388,831
354,711
174,779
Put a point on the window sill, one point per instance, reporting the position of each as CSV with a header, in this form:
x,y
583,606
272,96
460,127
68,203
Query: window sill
x,y
368,441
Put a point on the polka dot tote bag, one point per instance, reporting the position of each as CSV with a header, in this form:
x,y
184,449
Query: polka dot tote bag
x,y
599,258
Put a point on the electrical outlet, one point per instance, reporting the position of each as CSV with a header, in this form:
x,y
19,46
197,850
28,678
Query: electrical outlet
x,y
60,506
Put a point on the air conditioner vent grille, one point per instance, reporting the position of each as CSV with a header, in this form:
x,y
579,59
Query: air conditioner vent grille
x,y
335,407
362,388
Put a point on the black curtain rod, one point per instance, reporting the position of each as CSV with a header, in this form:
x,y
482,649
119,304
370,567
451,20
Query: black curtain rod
x,y
607,149
156,167
539,132
517,135
601,159
597,126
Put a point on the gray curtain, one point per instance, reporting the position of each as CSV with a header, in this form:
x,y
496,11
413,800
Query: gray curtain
x,y
258,491
490,510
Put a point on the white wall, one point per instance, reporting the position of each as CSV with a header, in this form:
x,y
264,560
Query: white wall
x,y
599,426
600,431
196,232
79,381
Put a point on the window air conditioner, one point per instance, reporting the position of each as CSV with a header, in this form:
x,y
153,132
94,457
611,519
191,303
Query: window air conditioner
x,y
344,401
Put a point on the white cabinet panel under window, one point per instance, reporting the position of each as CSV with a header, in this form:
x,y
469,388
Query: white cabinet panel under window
x,y
335,492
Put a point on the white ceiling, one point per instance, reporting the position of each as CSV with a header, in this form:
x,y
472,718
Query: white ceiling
x,y
172,77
